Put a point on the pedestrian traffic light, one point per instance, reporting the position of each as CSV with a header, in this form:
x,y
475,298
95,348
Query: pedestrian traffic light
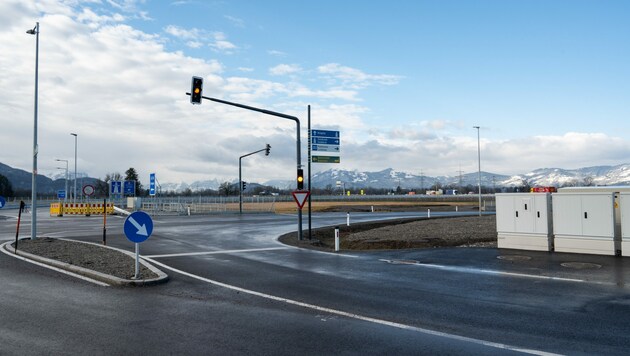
x,y
244,185
300,179
196,90
267,150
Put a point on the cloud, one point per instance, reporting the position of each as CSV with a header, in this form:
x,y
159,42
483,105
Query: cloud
x,y
193,38
285,69
235,21
276,53
355,77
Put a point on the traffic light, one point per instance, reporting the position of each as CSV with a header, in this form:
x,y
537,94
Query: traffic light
x,y
267,149
196,90
300,179
244,185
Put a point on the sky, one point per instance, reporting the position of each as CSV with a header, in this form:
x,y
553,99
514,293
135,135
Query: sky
x,y
404,82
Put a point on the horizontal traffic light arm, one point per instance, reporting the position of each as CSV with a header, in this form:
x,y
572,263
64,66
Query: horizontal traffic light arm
x,y
268,112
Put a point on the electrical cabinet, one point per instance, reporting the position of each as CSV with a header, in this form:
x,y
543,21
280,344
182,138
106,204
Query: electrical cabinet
x,y
586,222
624,217
524,221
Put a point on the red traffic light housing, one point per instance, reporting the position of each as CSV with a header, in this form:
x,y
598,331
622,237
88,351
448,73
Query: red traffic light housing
x,y
300,179
196,90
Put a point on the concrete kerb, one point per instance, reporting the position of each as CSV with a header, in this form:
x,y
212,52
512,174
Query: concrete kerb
x,y
106,278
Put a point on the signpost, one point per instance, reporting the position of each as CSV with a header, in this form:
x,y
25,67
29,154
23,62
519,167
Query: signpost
x,y
138,227
61,194
324,141
88,190
326,148
152,184
326,159
300,197
115,187
2,202
129,187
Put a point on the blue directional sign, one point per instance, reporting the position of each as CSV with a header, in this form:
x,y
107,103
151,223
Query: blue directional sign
x,y
324,141
130,187
152,184
324,133
61,194
2,202
326,148
138,226
115,187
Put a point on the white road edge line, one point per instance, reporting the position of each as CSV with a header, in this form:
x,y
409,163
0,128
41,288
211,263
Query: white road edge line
x,y
356,316
215,252
492,272
51,267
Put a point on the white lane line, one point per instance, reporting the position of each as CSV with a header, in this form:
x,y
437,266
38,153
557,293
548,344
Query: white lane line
x,y
215,252
356,316
52,268
489,271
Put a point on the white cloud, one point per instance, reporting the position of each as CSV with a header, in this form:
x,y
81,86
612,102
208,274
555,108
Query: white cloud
x,y
276,53
285,69
356,77
235,21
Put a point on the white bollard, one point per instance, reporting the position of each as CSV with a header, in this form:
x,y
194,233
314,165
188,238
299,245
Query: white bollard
x,y
456,208
372,208
188,211
348,219
337,239
428,213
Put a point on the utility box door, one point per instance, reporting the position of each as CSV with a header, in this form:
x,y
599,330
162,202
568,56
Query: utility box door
x,y
624,208
588,215
542,220
525,217
505,213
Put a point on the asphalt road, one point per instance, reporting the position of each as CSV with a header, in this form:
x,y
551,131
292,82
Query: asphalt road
x,y
234,290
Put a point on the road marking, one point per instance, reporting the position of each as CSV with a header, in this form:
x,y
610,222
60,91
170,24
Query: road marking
x,y
51,267
215,252
355,316
487,271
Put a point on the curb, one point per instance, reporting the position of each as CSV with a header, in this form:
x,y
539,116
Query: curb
x,y
99,276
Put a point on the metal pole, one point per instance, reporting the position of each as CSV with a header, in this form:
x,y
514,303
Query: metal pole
x,y
310,140
479,162
137,275
74,196
35,32
240,187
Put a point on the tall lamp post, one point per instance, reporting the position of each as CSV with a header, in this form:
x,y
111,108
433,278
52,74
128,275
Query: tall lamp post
x,y
479,163
35,31
64,160
74,196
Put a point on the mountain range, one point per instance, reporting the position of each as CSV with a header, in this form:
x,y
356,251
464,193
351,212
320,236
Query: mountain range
x,y
387,179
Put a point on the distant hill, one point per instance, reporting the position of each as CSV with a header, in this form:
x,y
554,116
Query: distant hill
x,y
21,181
385,179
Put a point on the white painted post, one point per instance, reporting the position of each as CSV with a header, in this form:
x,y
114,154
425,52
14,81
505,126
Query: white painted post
x,y
348,219
372,208
337,239
456,208
137,275
428,213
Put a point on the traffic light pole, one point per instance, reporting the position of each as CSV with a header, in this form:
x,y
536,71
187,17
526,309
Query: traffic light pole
x,y
277,114
240,179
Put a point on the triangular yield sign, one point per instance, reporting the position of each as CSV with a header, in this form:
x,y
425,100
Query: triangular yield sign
x,y
300,197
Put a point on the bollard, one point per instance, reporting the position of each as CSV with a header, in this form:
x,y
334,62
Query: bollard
x,y
456,208
336,238
372,208
348,219
428,213
188,211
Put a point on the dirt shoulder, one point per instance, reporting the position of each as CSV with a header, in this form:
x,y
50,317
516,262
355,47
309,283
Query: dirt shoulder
x,y
466,231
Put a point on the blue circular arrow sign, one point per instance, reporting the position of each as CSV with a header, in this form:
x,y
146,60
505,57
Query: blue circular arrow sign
x,y
2,202
138,226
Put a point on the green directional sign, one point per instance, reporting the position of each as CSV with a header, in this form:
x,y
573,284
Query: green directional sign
x,y
325,159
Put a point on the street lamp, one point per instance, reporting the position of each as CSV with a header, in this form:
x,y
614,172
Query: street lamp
x,y
74,197
65,198
479,162
35,31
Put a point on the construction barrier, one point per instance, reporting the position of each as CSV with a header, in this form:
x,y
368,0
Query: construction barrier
x,y
59,209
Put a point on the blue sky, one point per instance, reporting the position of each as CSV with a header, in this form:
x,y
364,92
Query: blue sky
x,y
404,82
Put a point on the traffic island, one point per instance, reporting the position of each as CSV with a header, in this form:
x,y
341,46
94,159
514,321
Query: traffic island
x,y
103,263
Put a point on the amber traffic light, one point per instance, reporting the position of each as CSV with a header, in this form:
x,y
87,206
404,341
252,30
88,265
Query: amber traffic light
x,y
196,90
300,179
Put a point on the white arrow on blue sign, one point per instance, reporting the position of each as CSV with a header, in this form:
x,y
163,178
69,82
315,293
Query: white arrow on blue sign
x,y
326,148
152,184
115,187
138,226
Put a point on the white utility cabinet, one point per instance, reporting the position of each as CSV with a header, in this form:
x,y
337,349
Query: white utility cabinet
x,y
524,221
624,217
584,221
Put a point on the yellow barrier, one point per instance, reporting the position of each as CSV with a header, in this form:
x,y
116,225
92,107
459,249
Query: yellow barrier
x,y
59,209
